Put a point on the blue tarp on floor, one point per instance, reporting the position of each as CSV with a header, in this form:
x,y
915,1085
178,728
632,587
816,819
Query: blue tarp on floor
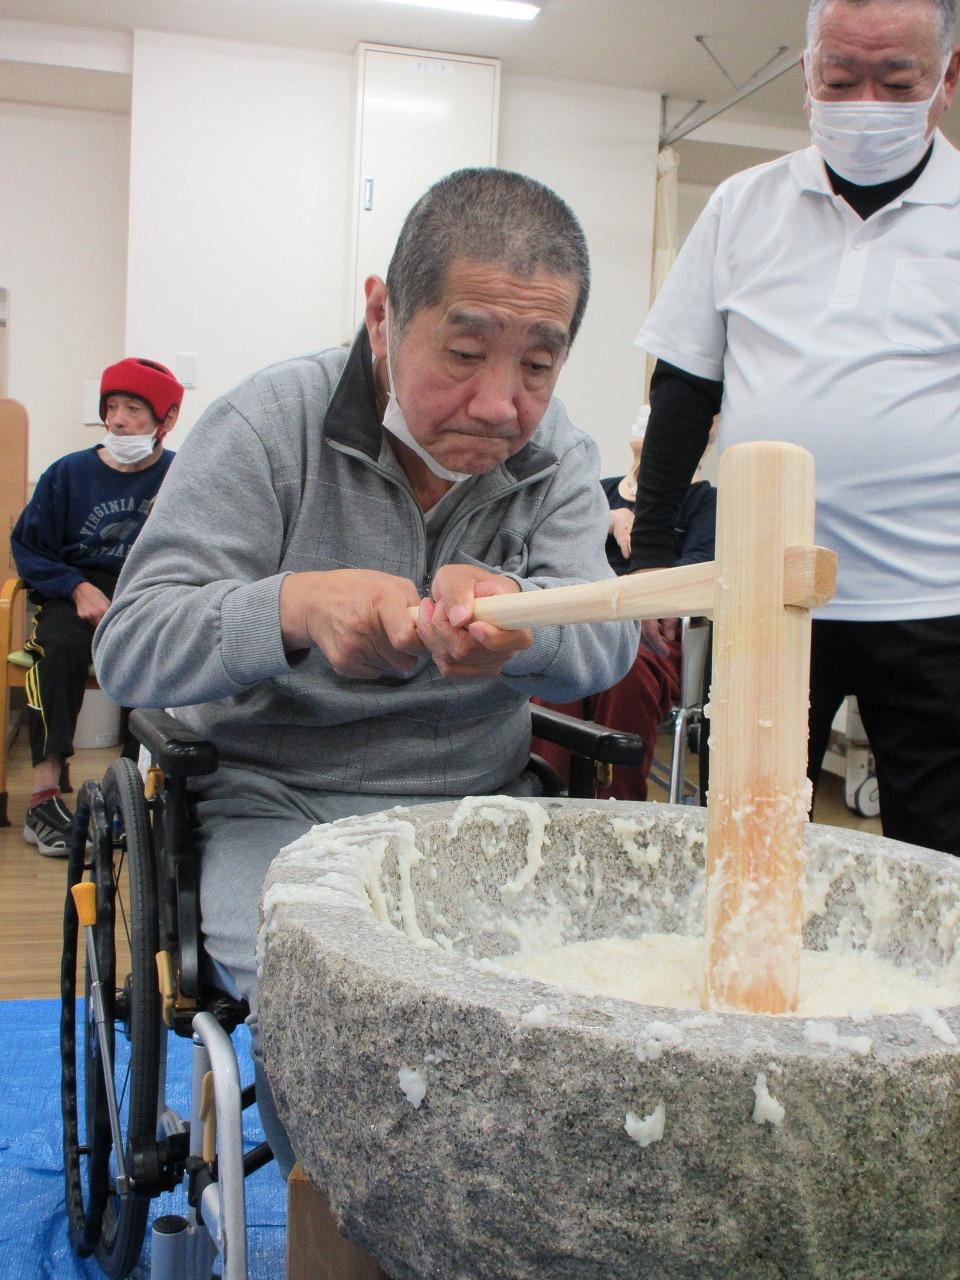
x,y
33,1225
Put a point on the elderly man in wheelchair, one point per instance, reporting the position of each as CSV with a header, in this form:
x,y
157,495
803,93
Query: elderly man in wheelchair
x,y
303,593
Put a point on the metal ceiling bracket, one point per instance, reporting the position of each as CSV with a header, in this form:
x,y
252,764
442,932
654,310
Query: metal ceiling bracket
x,y
702,42
701,112
664,130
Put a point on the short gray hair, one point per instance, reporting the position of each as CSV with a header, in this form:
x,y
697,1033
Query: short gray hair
x,y
946,11
485,215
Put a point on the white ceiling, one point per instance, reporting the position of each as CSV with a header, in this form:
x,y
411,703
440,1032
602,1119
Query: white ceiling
x,y
642,44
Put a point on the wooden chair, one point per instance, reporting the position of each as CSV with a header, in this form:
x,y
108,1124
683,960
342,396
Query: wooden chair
x,y
15,662
14,440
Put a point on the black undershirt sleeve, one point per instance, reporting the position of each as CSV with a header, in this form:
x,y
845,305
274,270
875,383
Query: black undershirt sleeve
x,y
682,407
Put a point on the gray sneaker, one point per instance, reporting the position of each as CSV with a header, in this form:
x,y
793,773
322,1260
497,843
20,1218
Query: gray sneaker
x,y
49,825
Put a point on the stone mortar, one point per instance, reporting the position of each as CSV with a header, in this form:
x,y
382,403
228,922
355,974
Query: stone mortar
x,y
516,1163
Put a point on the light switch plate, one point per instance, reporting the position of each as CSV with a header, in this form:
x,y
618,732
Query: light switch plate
x,y
91,404
186,367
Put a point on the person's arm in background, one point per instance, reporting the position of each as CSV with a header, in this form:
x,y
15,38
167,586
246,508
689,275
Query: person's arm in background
x,y
682,409
686,330
621,522
38,537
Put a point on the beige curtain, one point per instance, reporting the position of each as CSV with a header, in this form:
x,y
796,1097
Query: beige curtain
x,y
665,232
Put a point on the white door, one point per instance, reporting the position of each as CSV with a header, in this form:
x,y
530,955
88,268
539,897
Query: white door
x,y
420,116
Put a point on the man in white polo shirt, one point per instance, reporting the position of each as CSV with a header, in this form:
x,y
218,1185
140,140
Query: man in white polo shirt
x,y
818,299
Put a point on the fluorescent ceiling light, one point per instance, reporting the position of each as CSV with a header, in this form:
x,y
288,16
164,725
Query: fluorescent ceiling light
x,y
485,8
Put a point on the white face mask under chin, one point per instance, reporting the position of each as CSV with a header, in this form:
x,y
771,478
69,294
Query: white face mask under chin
x,y
872,142
129,449
396,424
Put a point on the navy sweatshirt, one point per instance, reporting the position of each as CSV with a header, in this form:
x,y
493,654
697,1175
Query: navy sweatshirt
x,y
83,515
694,528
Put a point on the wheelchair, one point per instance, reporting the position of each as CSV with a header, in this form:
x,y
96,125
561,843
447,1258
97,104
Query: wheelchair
x,y
133,891
142,975
685,720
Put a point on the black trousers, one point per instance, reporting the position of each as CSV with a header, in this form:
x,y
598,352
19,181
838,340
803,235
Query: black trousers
x,y
906,678
61,641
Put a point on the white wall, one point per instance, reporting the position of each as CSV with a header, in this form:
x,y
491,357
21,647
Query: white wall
x,y
722,147
692,199
63,216
597,147
215,221
238,205
239,212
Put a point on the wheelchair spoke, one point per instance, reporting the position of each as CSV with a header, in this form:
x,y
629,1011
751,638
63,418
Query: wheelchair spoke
x,y
122,1091
121,902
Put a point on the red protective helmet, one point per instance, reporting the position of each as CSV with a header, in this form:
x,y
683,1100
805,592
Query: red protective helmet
x,y
147,379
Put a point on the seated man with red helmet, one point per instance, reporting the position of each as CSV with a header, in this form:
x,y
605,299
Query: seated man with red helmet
x,y
69,546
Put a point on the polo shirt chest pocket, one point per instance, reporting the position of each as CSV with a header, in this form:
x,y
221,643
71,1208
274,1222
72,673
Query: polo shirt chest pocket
x,y
923,310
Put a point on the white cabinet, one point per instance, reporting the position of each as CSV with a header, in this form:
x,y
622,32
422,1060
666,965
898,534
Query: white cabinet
x,y
420,115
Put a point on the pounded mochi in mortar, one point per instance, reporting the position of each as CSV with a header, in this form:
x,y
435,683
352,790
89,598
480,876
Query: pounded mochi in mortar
x,y
667,970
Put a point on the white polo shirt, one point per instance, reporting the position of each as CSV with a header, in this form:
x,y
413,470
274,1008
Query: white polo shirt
x,y
842,336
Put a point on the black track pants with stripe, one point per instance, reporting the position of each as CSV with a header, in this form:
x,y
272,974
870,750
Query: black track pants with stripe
x,y
61,642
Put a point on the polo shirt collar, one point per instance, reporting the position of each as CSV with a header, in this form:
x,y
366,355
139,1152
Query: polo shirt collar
x,y
352,419
938,184
808,172
940,181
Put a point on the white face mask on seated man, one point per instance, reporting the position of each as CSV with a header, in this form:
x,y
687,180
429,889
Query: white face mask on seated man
x,y
396,424
128,449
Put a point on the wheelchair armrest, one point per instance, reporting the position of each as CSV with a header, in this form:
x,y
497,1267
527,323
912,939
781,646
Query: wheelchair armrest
x,y
179,752
585,738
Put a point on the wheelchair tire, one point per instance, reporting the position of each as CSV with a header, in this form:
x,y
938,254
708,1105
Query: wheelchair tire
x,y
866,801
102,1221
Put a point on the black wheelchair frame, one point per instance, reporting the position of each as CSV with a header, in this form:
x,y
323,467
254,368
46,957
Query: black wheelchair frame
x,y
135,843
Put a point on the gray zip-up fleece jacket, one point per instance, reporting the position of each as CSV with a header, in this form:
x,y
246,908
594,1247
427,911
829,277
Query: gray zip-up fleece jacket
x,y
292,471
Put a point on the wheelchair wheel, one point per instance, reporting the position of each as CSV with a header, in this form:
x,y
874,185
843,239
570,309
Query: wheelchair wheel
x,y
103,1221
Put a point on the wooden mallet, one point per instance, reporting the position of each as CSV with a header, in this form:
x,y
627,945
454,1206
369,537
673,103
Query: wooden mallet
x,y
766,578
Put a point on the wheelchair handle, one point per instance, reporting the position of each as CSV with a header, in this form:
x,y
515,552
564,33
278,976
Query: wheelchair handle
x,y
85,900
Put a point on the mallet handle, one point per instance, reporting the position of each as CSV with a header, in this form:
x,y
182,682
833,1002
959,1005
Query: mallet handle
x,y
809,577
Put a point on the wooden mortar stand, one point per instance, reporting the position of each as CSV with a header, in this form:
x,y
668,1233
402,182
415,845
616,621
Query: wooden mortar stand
x,y
315,1248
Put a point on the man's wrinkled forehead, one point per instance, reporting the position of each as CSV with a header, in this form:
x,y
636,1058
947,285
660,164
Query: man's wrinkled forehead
x,y
468,320
916,21
880,39
846,61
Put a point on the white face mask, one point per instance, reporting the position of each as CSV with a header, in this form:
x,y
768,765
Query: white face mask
x,y
872,142
127,449
396,424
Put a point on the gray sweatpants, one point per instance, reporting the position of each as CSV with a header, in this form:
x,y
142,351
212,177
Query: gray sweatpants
x,y
245,820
